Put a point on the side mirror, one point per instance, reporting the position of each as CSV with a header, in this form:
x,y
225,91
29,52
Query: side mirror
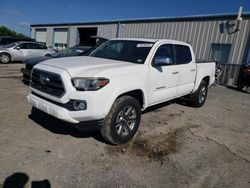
x,y
17,48
163,60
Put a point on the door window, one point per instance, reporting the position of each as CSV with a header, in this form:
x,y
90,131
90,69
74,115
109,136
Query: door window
x,y
40,46
220,53
34,46
26,46
165,51
182,54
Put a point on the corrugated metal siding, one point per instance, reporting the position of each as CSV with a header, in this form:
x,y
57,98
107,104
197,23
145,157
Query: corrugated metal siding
x,y
72,36
201,34
108,31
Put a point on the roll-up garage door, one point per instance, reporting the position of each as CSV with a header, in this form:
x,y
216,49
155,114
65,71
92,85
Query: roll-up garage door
x,y
41,36
60,38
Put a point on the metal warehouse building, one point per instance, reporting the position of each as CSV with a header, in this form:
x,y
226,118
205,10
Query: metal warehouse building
x,y
223,38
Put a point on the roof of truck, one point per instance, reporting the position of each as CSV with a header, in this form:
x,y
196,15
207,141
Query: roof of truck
x,y
152,40
138,39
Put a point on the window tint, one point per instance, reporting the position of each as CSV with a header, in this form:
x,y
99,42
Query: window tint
x,y
42,47
183,54
32,46
38,46
165,51
25,46
43,43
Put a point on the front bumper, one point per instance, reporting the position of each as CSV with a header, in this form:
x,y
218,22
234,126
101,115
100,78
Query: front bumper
x,y
50,108
62,113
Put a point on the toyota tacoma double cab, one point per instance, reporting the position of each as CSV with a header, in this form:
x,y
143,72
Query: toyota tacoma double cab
x,y
110,88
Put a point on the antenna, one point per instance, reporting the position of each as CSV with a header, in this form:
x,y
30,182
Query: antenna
x,y
239,18
239,13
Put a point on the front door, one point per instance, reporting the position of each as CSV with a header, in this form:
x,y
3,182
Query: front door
x,y
163,78
27,50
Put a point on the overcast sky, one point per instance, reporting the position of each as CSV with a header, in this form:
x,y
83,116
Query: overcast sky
x,y
19,14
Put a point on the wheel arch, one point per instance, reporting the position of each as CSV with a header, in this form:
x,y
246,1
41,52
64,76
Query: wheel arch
x,y
138,94
207,79
198,82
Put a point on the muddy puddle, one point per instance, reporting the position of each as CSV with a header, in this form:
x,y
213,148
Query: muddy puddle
x,y
156,147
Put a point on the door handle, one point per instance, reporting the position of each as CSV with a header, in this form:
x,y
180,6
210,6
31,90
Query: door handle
x,y
192,70
175,72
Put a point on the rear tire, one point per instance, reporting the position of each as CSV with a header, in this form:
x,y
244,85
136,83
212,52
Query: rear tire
x,y
4,58
122,121
198,98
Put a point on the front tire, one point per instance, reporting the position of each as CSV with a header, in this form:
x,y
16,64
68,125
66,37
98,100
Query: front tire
x,y
122,121
4,58
198,98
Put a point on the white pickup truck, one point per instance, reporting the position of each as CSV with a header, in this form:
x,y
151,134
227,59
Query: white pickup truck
x,y
109,89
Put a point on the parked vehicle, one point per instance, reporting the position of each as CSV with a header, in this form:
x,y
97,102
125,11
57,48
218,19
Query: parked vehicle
x,y
99,42
109,89
244,77
19,51
4,40
79,50
29,63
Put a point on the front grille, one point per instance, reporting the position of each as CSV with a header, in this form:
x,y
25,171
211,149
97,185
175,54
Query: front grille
x,y
47,82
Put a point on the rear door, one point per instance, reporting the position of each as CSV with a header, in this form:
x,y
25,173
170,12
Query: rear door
x,y
39,49
163,78
186,68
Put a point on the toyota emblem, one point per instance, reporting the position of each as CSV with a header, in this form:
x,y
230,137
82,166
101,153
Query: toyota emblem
x,y
43,79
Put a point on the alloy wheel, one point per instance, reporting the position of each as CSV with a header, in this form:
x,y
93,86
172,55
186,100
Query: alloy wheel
x,y
202,94
4,58
125,121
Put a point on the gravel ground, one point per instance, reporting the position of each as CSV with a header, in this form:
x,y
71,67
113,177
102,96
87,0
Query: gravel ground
x,y
176,146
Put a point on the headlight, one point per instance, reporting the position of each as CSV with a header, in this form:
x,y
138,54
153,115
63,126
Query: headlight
x,y
89,84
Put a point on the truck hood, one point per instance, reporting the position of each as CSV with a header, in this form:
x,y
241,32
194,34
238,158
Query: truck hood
x,y
90,66
35,60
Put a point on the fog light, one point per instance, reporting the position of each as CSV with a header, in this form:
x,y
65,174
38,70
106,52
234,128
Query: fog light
x,y
80,105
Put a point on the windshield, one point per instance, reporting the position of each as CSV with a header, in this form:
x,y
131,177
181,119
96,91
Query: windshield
x,y
74,51
124,50
10,45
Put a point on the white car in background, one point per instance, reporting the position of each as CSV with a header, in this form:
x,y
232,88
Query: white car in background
x,y
19,51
